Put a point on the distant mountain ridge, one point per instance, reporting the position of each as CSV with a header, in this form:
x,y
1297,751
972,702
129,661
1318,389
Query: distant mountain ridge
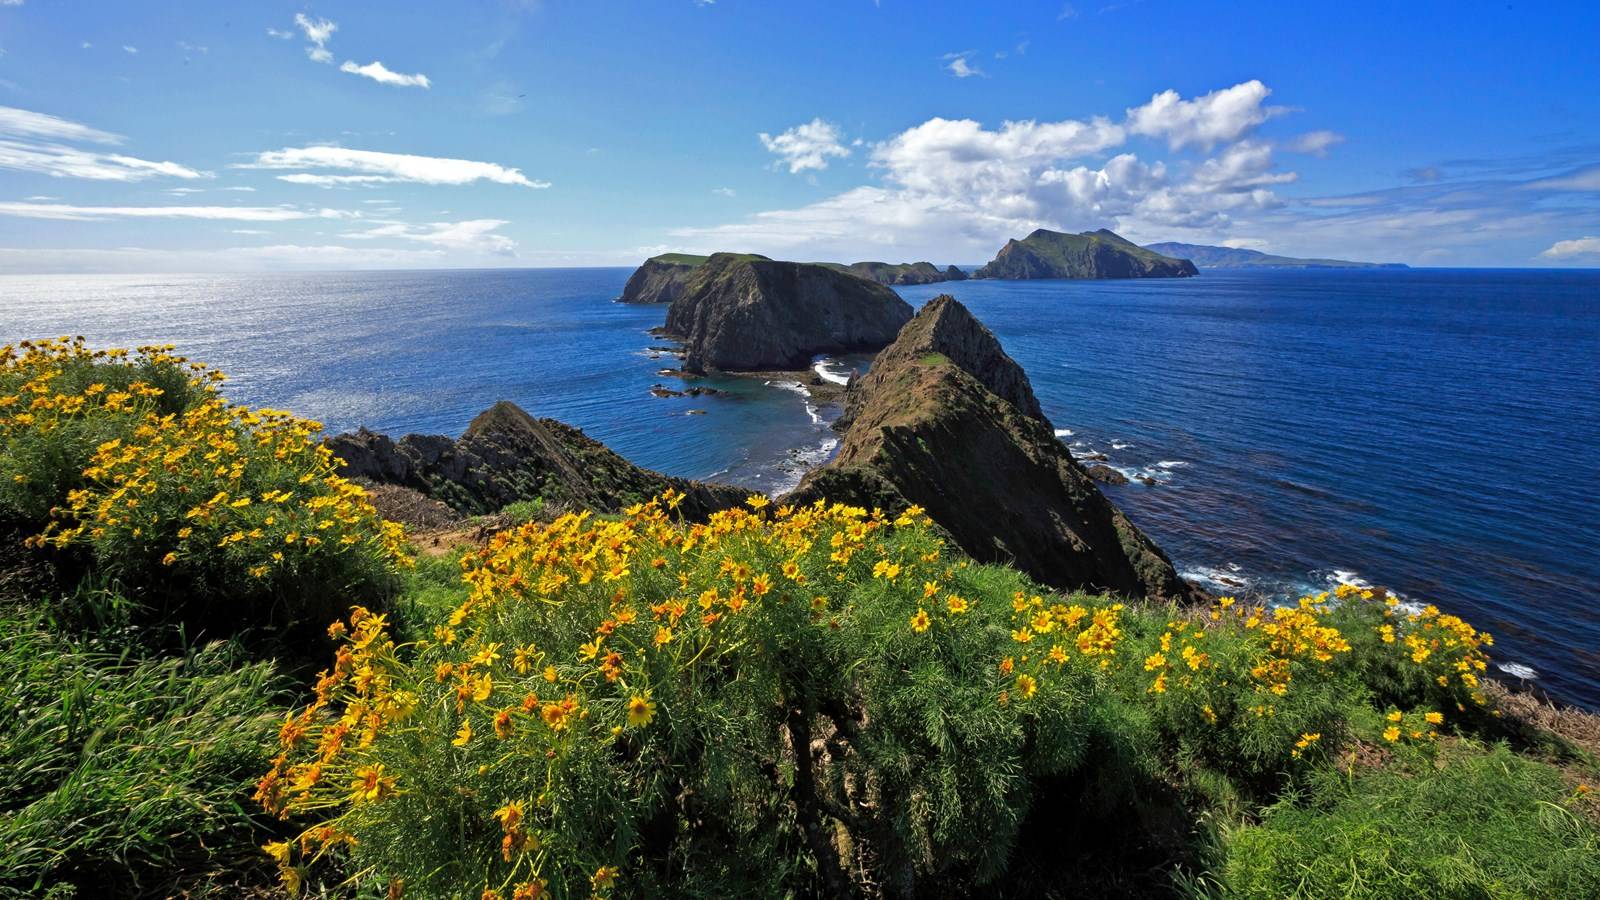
x,y
1091,254
1209,257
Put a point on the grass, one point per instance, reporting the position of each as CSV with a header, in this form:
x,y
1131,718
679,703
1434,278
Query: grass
x,y
128,775
1475,822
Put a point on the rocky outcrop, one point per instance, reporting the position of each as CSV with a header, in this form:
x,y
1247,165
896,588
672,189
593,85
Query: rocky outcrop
x,y
740,312
506,455
661,279
945,328
929,428
1092,254
902,273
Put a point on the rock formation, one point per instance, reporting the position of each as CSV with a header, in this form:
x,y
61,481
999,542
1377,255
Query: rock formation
x,y
1092,254
506,455
661,279
739,312
901,273
945,421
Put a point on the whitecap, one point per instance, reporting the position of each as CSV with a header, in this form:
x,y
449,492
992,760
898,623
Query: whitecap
x,y
1063,432
1119,446
1169,463
826,374
1226,581
1517,670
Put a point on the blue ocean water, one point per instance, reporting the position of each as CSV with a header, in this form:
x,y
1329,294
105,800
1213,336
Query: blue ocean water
x,y
1432,431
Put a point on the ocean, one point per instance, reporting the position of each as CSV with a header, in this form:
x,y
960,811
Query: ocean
x,y
1433,431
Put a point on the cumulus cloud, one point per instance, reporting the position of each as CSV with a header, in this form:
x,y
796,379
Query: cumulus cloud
x,y
375,167
34,142
380,73
1584,246
476,235
807,146
317,32
1218,117
956,188
71,213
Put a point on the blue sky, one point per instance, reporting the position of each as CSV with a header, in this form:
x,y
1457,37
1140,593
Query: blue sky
x,y
188,136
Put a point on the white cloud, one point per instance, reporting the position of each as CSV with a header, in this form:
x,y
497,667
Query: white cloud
x,y
22,123
287,257
1316,143
955,189
725,192
806,146
1584,246
956,64
1067,12
380,73
31,142
10,2
1582,180
130,50
280,35
317,31
474,235
1216,118
226,213
240,188
375,167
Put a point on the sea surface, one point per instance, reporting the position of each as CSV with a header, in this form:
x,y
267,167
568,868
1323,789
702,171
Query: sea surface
x,y
1433,431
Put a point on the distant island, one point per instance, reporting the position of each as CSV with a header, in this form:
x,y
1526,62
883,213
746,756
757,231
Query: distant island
x,y
1208,257
1092,254
663,278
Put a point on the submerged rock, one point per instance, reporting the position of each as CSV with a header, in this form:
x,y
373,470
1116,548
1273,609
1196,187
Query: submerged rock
x,y
945,421
506,455
1092,254
742,312
1105,474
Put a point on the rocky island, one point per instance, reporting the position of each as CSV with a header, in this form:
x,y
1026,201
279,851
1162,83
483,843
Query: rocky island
x,y
901,273
1208,257
947,421
739,312
1092,254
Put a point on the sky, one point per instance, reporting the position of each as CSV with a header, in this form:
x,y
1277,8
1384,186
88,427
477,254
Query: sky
x,y
156,136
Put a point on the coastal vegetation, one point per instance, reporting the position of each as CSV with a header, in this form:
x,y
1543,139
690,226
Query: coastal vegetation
x,y
1092,254
811,698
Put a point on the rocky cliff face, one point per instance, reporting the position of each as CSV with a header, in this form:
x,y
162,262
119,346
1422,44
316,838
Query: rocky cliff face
x,y
660,280
744,313
943,423
1092,254
944,327
506,455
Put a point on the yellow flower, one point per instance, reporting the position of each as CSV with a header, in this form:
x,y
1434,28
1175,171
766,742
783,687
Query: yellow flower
x,y
464,735
1027,686
1391,734
641,710
757,502
606,876
1434,718
920,621
370,785
1394,716
958,605
502,724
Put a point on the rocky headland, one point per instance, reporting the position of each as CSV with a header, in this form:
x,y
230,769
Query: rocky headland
x,y
1209,257
1092,254
901,273
739,312
507,455
947,421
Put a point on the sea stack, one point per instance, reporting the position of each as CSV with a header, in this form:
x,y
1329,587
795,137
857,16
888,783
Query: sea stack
x,y
947,421
1092,254
740,312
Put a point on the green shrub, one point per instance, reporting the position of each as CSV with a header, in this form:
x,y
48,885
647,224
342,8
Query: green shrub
x,y
122,775
1478,824
204,512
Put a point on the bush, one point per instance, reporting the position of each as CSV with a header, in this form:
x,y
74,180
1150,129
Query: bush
x,y
628,701
207,512
1482,824
121,774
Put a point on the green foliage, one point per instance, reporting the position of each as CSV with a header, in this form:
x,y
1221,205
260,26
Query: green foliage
x,y
1480,823
126,775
